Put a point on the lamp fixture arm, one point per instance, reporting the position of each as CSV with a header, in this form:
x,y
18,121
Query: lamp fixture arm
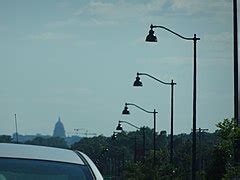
x,y
131,104
169,30
129,124
145,74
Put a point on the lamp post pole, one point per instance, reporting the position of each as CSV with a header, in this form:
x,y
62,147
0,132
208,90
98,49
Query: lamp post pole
x,y
154,138
144,144
152,38
135,149
194,109
171,140
138,83
236,95
235,42
200,131
119,128
126,111
15,115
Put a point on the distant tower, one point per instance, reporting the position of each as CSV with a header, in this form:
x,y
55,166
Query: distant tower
x,y
59,129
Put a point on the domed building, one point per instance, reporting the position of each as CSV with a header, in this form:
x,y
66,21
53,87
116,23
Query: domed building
x,y
59,130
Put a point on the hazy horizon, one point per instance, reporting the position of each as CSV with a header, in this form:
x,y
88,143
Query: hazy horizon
x,y
79,59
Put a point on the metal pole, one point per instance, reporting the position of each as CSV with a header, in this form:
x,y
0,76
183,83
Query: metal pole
x,y
200,137
200,149
154,139
235,31
171,140
171,109
194,94
135,149
235,52
154,134
144,144
16,127
194,110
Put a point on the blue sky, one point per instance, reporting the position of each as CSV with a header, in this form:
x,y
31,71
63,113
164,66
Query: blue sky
x,y
77,59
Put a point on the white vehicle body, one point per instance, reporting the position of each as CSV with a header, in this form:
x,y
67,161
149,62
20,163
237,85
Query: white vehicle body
x,y
13,157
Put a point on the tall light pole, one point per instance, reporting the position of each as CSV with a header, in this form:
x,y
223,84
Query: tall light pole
x,y
236,95
138,83
200,131
154,112
15,115
235,52
152,38
120,128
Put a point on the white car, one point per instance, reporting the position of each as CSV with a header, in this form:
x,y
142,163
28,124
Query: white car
x,y
30,162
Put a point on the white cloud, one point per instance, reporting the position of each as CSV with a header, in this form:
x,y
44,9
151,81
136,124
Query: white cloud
x,y
223,37
191,7
100,12
216,48
49,36
62,23
118,11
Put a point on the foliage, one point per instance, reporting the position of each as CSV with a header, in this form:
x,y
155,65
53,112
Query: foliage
x,y
93,147
222,163
215,153
232,172
218,166
134,170
5,139
51,141
116,157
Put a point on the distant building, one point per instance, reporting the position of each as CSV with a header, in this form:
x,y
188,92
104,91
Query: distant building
x,y
59,130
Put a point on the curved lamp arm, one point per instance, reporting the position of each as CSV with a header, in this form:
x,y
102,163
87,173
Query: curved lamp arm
x,y
169,30
129,124
131,104
145,74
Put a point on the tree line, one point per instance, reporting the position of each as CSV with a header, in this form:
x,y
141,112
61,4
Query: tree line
x,y
125,156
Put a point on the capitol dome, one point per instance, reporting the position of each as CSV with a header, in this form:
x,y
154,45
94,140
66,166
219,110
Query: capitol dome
x,y
59,130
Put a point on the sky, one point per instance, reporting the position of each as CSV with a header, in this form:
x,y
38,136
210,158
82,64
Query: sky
x,y
78,59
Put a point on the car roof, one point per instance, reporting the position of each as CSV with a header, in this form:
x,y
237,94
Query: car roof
x,y
23,151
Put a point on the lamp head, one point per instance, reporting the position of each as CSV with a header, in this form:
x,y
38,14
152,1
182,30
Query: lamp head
x,y
151,37
125,111
137,82
119,127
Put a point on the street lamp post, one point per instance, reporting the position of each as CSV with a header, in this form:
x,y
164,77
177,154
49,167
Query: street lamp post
x,y
120,128
16,127
114,137
138,83
235,52
154,112
152,38
200,131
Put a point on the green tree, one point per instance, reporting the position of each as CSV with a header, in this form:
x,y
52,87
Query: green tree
x,y
93,147
222,164
182,155
5,139
134,171
120,153
219,162
51,141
